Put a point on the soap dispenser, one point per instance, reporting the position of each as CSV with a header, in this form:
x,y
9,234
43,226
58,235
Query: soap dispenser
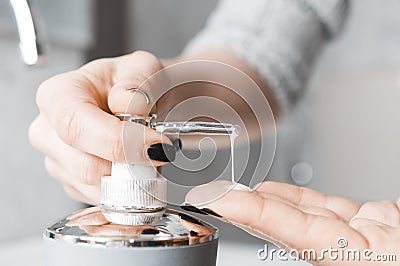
x,y
132,225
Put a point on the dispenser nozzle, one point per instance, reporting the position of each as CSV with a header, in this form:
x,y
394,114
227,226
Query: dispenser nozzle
x,y
136,194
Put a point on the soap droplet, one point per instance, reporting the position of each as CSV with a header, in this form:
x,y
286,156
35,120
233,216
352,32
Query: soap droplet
x,y
302,173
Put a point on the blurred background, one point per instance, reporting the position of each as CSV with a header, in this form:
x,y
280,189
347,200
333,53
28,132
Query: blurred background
x,y
342,139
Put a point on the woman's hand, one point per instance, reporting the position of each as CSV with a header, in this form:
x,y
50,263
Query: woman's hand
x,y
77,131
79,135
300,218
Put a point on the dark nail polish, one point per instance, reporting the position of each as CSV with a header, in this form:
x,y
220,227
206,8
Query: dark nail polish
x,y
162,152
150,231
204,211
211,212
190,208
177,144
189,219
193,233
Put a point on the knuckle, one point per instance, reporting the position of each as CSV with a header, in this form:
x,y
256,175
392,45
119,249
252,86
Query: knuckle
x,y
114,143
144,53
117,145
89,170
69,127
96,63
47,89
152,60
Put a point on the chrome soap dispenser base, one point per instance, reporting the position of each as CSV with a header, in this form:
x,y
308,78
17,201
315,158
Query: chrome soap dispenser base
x,y
88,238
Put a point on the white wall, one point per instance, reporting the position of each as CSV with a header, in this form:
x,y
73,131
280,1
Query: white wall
x,y
352,138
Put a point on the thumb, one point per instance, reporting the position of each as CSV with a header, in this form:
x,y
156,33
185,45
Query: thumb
x,y
130,93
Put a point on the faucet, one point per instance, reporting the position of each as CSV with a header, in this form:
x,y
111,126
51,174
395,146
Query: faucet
x,y
30,43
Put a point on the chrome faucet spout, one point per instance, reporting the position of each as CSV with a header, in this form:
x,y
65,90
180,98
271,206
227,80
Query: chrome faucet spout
x,y
30,42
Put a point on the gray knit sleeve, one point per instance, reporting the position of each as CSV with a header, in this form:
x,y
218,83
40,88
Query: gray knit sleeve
x,y
279,38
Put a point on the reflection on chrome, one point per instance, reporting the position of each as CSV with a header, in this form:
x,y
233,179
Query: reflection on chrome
x,y
90,227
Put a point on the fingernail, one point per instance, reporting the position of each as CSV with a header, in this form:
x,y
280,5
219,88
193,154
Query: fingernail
x,y
190,208
211,212
162,152
204,211
193,233
177,144
189,219
150,231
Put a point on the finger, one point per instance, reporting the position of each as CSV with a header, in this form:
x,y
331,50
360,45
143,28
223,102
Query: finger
x,y
89,194
89,129
83,193
82,167
54,168
77,195
276,219
344,208
85,126
384,212
132,73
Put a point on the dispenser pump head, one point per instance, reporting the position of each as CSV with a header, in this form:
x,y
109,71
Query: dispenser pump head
x,y
133,194
136,194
